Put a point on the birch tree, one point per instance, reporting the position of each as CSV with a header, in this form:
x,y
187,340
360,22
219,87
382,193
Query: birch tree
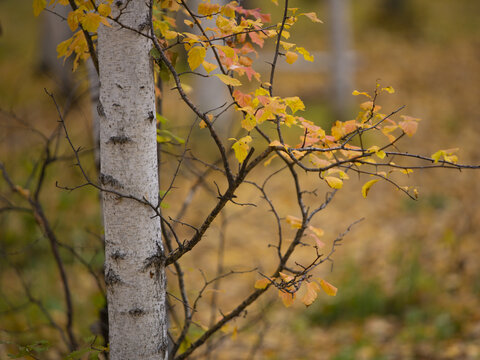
x,y
135,284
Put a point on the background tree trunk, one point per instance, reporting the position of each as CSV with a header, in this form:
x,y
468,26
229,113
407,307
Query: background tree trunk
x,y
135,289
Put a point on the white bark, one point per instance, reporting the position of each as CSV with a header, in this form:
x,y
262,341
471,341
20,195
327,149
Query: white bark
x,y
136,291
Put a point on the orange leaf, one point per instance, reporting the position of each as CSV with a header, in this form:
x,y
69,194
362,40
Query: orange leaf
x,y
311,293
287,298
262,283
409,127
291,57
328,288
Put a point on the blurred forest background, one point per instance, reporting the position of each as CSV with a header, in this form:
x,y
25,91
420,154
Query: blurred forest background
x,y
408,276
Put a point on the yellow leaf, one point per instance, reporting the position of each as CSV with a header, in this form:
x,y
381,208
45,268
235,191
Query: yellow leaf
x,y
310,293
294,222
328,288
333,182
208,9
286,297
356,93
90,22
249,122
234,333
228,80
320,163
290,120
317,231
306,55
63,48
73,19
104,9
262,283
312,16
209,67
202,124
240,147
389,89
366,187
38,6
196,56
294,103
415,193
286,45
227,50
376,149
341,174
446,154
291,57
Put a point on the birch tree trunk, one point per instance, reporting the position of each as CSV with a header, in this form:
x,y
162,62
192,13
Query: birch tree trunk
x,y
135,285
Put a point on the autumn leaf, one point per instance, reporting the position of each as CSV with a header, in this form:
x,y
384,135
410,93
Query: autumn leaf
x,y
389,89
306,55
356,93
409,125
333,182
286,278
294,103
311,293
73,19
291,57
91,21
104,9
228,80
38,6
249,122
240,147
209,67
328,288
366,187
208,9
376,149
227,50
313,17
294,222
241,98
447,155
286,297
262,283
196,55
318,232
286,46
